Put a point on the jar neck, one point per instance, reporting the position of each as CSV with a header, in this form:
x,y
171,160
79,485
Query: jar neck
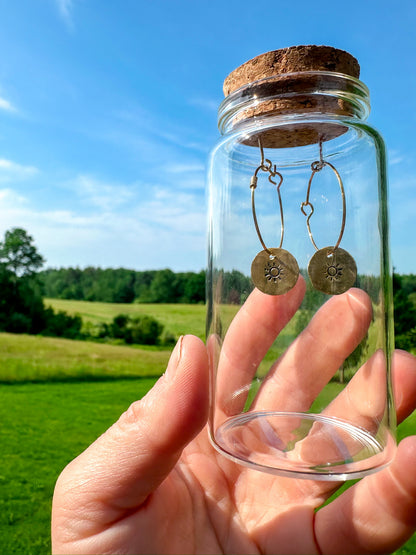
x,y
291,96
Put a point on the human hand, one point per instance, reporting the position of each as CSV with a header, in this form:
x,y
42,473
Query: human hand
x,y
154,484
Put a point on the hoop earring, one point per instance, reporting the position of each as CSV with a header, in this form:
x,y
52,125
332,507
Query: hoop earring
x,y
332,270
274,271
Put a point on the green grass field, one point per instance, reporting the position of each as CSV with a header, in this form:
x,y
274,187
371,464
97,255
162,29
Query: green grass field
x,y
57,396
25,358
179,319
43,427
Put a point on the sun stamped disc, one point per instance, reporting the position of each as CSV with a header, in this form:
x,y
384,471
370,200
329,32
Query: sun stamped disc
x,y
275,271
332,271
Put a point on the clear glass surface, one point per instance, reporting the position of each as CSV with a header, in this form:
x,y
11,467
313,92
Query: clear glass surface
x,y
300,382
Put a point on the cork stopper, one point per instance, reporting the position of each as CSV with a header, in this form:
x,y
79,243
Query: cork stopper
x,y
292,60
283,70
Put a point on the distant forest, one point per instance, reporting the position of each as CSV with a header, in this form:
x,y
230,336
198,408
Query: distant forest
x,y
123,286
24,285
165,286
127,286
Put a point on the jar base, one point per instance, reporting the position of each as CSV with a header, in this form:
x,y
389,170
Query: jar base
x,y
303,445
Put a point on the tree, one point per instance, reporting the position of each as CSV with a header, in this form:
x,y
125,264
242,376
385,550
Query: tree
x,y
18,254
21,304
235,287
142,285
145,330
194,288
123,288
163,287
404,316
142,329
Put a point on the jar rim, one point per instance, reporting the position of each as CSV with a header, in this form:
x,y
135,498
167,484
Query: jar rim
x,y
290,86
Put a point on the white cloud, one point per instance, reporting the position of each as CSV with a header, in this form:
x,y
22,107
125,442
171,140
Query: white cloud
x,y
12,171
180,213
402,182
402,206
209,104
186,168
6,105
65,8
125,227
9,198
145,131
190,176
395,157
104,195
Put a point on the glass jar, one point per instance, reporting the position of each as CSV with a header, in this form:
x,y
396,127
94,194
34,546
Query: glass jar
x,y
299,286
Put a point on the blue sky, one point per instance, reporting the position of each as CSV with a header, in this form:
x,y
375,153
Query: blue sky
x,y
108,114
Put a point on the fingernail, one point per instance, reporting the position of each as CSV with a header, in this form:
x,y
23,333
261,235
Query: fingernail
x,y
175,358
360,302
357,296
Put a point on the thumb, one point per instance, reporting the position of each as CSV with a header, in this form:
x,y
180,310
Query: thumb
x,y
128,462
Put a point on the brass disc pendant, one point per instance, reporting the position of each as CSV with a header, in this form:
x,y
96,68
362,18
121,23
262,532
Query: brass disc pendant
x,y
274,271
332,272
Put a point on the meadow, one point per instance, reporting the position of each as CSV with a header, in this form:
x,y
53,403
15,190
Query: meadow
x,y
58,395
179,319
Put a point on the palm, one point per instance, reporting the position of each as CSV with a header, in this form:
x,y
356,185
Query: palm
x,y
246,511
209,505
154,484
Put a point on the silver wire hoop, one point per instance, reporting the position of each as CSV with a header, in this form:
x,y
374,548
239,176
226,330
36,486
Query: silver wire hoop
x,y
317,167
253,186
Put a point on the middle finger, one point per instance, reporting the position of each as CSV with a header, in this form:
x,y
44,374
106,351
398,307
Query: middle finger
x,y
309,363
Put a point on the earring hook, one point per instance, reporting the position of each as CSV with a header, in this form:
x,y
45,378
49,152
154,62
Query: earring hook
x,y
253,185
274,271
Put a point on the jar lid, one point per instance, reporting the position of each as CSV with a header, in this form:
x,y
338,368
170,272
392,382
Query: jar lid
x,y
292,60
295,80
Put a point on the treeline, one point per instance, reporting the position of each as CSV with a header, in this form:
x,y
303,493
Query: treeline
x,y
23,285
123,286
404,287
22,309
